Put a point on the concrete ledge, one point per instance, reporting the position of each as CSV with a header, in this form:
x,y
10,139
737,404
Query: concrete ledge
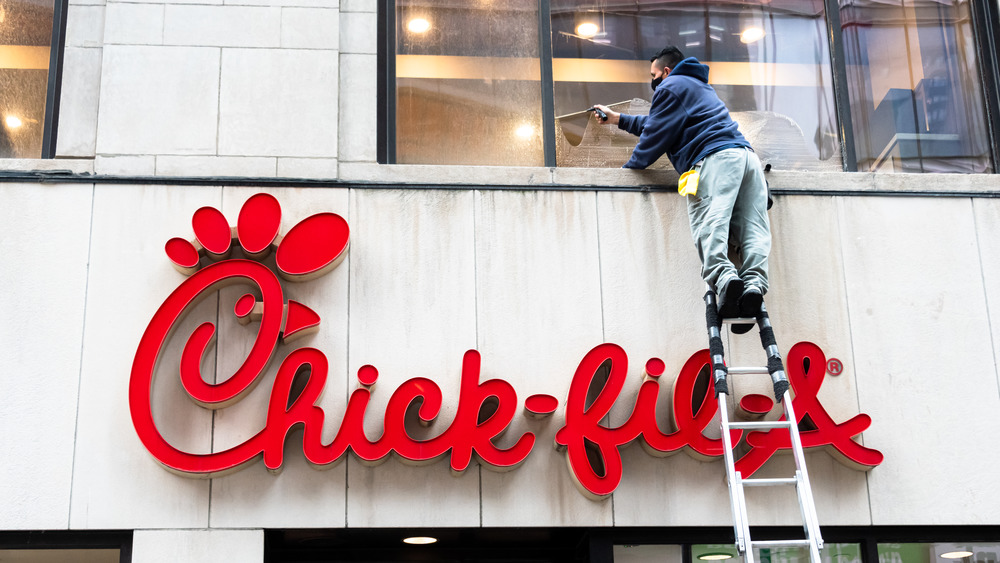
x,y
331,173
74,165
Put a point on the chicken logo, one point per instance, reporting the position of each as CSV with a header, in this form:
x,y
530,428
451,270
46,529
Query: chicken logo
x,y
313,247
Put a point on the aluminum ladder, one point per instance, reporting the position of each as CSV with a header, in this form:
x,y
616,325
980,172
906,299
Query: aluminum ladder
x,y
737,497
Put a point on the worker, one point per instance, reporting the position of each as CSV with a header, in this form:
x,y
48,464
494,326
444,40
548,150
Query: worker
x,y
722,177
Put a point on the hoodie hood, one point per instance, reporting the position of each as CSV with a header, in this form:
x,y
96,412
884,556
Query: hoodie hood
x,y
691,67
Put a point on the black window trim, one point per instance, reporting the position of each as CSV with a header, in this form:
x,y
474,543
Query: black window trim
x,y
57,47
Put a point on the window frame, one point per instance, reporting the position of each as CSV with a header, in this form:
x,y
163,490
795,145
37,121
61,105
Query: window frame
x,y
986,28
57,47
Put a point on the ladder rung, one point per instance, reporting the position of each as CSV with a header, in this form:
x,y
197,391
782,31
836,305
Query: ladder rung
x,y
760,424
780,543
748,371
762,482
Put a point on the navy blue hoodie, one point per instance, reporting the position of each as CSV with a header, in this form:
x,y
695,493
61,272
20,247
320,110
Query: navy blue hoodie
x,y
687,121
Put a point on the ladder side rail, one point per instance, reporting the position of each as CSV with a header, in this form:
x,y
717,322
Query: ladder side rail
x,y
715,348
736,501
782,394
720,376
775,367
748,554
805,489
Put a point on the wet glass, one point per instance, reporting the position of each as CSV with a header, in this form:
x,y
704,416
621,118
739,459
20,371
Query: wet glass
x,y
769,62
915,95
468,83
25,41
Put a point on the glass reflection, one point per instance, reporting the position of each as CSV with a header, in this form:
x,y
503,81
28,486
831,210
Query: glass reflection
x,y
938,552
25,37
916,98
769,62
831,553
468,87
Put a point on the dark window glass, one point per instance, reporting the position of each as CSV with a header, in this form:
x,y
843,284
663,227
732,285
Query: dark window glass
x,y
915,93
25,43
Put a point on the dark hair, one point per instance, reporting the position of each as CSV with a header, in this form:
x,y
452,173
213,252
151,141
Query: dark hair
x,y
669,56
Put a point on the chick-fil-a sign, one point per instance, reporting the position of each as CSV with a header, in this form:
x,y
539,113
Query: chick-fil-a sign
x,y
485,409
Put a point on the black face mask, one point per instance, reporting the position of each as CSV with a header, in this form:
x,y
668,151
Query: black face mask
x,y
655,82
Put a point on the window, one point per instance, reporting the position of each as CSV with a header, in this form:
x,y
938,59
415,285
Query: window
x,y
769,63
915,93
66,546
468,83
28,76
507,83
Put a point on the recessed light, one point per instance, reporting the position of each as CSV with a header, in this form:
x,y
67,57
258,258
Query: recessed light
x,y
419,540
956,554
587,29
525,131
13,121
715,556
751,34
418,25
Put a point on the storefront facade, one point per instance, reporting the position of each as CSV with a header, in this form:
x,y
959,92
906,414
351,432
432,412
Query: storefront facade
x,y
444,270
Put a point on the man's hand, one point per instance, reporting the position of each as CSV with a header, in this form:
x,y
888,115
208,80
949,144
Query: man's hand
x,y
612,115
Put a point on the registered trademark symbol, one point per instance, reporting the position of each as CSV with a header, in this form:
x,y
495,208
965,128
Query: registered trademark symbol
x,y
834,367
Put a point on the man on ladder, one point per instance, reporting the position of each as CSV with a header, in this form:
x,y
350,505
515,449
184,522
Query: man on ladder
x,y
721,176
727,200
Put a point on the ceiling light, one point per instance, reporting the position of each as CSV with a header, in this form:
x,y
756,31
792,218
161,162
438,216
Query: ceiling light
x,y
13,122
525,131
418,25
752,34
715,556
587,29
419,540
956,554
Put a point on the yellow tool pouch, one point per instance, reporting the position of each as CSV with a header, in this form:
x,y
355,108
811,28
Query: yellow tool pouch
x,y
688,182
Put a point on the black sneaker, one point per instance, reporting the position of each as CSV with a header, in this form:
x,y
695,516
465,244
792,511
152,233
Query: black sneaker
x,y
729,298
749,303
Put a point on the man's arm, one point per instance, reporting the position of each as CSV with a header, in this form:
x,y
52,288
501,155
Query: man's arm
x,y
630,123
659,130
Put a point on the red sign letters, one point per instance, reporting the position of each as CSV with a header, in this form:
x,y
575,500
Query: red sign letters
x,y
315,246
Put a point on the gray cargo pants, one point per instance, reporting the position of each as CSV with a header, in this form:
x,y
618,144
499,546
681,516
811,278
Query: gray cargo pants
x,y
731,204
